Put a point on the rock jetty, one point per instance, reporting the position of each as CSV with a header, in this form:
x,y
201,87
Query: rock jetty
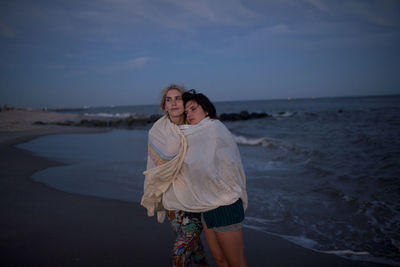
x,y
134,122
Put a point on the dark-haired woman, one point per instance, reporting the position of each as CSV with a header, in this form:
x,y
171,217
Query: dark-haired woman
x,y
211,181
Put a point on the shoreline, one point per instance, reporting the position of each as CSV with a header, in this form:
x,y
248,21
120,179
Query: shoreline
x,y
46,226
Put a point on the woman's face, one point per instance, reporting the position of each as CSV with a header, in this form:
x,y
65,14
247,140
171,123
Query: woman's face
x,y
174,104
194,112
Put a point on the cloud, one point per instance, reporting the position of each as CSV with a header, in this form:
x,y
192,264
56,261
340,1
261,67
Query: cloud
x,y
382,13
182,15
278,29
128,65
379,12
319,5
137,63
228,12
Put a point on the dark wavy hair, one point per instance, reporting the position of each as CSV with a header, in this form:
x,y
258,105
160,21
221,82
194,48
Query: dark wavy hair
x,y
202,100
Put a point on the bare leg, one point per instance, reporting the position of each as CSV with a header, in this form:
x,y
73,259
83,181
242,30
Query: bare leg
x,y
231,244
213,245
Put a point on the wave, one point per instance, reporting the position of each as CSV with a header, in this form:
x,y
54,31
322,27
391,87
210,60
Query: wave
x,y
283,114
276,144
263,141
347,252
257,224
261,225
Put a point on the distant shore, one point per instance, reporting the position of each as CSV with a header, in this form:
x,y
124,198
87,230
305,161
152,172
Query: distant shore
x,y
17,120
44,226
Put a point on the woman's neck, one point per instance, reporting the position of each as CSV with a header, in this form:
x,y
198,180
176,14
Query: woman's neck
x,y
177,120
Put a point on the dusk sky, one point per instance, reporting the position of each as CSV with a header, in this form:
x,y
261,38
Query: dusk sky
x,y
119,52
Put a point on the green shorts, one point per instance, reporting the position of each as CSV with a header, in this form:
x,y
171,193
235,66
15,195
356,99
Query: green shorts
x,y
227,218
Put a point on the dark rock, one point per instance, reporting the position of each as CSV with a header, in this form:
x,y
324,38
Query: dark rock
x,y
93,123
224,117
154,118
115,123
255,115
100,123
131,122
234,116
66,123
84,123
244,115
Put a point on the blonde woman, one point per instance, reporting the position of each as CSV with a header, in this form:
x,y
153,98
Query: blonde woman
x,y
166,149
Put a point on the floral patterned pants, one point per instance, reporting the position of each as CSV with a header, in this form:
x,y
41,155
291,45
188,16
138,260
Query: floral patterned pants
x,y
188,249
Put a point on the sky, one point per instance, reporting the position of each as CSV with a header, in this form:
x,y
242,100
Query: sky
x,y
74,53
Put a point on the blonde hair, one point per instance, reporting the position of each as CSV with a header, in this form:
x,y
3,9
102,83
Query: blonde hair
x,y
165,91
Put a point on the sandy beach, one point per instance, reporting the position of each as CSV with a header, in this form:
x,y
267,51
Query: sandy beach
x,y
44,226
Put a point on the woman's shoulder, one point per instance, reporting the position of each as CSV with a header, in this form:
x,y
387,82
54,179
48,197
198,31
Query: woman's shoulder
x,y
223,134
219,127
218,124
160,124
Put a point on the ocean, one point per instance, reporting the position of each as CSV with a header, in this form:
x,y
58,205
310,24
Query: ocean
x,y
323,173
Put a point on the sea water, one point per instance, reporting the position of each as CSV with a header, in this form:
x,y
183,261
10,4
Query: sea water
x,y
322,173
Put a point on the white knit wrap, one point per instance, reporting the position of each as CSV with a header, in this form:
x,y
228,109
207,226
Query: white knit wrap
x,y
166,151
212,173
205,173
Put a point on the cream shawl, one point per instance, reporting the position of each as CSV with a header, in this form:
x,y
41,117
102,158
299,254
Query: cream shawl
x,y
211,174
166,150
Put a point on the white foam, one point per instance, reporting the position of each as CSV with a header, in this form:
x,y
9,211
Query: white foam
x,y
261,220
241,140
347,252
285,114
347,198
257,228
311,244
301,240
263,141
